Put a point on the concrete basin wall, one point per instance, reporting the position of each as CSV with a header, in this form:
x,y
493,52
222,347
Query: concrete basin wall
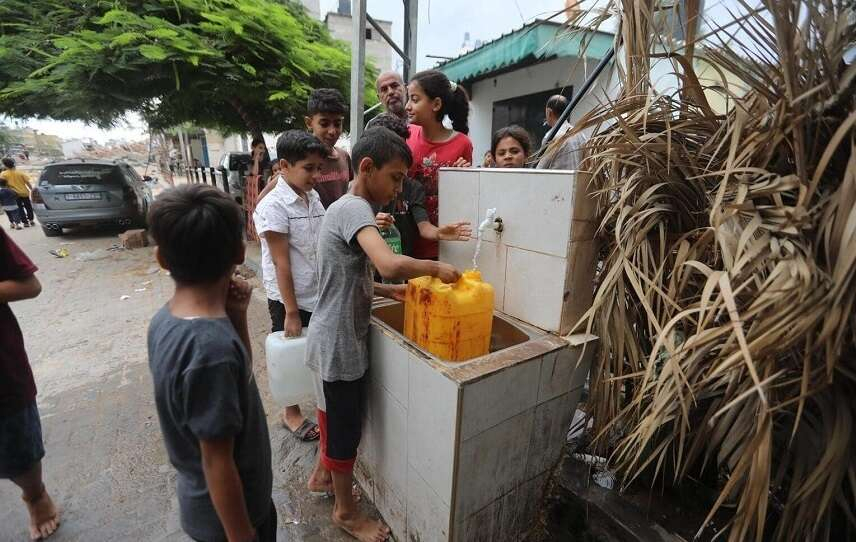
x,y
449,448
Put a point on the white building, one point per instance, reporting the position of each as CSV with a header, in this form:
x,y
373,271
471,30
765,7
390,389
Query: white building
x,y
340,25
510,78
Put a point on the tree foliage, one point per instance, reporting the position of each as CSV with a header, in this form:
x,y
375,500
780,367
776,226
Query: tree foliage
x,y
234,65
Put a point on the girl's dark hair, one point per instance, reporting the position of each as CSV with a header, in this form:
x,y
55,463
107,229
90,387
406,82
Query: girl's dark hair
x,y
258,141
456,101
517,133
390,122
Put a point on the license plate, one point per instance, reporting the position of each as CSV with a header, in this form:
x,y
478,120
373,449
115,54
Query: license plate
x,y
83,196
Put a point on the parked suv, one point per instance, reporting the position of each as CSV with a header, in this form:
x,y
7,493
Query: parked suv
x,y
83,192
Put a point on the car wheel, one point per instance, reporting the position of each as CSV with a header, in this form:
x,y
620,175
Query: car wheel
x,y
52,232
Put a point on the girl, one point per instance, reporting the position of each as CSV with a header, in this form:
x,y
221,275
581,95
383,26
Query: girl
x,y
431,97
510,147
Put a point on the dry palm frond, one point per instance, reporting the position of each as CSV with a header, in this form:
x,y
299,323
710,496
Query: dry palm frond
x,y
727,303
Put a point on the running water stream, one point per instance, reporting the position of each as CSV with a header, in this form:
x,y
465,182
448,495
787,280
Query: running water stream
x,y
489,218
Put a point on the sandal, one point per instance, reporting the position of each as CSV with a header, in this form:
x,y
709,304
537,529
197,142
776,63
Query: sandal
x,y
307,432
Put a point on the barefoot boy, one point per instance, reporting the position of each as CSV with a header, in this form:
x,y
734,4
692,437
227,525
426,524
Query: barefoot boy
x,y
337,347
209,408
288,221
21,447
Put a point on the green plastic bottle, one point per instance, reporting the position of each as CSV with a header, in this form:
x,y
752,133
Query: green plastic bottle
x,y
393,238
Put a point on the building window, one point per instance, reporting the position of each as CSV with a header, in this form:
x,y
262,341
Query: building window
x,y
528,112
368,34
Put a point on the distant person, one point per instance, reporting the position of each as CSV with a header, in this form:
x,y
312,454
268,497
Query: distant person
x,y
259,158
408,211
392,93
20,183
510,147
556,105
288,221
487,160
337,345
565,152
432,97
9,201
21,445
200,356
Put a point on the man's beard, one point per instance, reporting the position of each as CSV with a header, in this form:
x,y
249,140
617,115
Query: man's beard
x,y
396,107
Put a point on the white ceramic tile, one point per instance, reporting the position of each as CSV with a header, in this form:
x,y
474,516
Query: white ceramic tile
x,y
484,525
499,397
492,463
427,515
559,371
535,208
459,196
520,507
389,443
431,419
389,361
492,263
534,288
552,420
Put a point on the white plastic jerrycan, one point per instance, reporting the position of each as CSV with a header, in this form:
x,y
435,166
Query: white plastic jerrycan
x,y
289,377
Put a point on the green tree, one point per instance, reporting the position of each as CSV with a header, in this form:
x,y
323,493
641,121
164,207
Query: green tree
x,y
233,65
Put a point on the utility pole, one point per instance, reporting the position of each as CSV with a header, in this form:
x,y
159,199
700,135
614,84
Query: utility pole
x,y
358,68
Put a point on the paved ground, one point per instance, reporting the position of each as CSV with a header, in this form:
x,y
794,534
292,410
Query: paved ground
x,y
106,465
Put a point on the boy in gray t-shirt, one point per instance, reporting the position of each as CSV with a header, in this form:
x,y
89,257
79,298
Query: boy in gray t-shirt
x,y
337,348
208,404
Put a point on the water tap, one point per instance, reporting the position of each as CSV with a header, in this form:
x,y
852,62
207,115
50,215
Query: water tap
x,y
491,218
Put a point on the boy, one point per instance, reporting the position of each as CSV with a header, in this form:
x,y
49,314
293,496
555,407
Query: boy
x,y
20,183
210,412
337,349
21,446
9,201
325,118
408,211
288,221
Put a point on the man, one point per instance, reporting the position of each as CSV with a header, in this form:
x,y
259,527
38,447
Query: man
x,y
556,104
392,93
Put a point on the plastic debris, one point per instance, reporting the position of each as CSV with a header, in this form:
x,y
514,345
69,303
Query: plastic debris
x,y
138,290
61,252
124,297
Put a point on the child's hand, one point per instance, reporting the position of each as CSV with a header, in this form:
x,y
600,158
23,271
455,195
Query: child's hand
x,y
397,292
461,162
447,273
459,231
384,220
239,296
293,326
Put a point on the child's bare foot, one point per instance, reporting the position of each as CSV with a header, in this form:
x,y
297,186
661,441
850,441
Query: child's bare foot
x,y
317,485
362,528
44,516
320,481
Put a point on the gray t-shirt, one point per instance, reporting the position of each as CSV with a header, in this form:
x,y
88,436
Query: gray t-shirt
x,y
205,390
337,344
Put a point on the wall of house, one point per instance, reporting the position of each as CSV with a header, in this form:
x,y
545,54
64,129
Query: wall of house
x,y
549,75
340,26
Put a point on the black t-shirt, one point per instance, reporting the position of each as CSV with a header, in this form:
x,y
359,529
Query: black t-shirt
x,y
205,390
17,387
409,210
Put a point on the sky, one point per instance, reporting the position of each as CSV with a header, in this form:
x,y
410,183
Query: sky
x,y
442,25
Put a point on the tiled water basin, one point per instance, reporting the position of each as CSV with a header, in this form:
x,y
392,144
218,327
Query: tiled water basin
x,y
504,333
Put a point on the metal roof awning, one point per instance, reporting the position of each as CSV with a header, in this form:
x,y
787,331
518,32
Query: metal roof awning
x,y
539,40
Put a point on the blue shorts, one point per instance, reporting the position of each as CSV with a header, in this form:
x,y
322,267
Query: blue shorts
x,y
21,444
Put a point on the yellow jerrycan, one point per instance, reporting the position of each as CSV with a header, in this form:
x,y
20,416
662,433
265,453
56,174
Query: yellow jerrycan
x,y
451,321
